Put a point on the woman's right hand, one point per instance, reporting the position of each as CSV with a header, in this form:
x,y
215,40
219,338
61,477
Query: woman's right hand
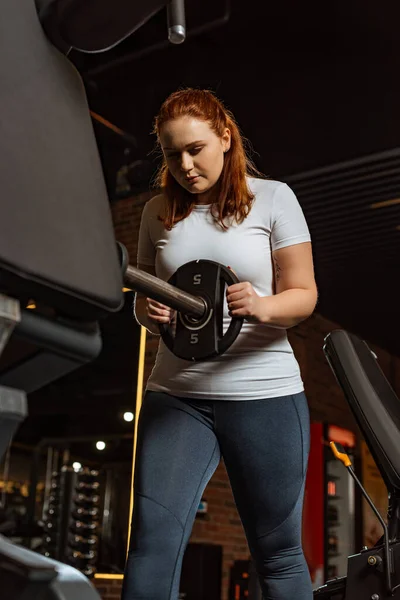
x,y
157,312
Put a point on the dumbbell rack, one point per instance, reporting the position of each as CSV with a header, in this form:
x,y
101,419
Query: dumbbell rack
x,y
51,520
72,519
83,531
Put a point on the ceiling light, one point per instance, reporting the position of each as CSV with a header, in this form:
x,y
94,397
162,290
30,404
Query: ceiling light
x,y
100,445
76,466
128,416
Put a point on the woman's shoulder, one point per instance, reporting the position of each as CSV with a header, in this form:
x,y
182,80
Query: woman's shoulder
x,y
156,201
267,194
264,188
272,198
155,205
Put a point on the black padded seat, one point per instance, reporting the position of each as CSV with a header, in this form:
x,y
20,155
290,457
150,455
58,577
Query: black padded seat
x,y
371,398
57,243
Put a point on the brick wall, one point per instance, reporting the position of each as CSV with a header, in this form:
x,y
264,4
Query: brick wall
x,y
325,400
109,589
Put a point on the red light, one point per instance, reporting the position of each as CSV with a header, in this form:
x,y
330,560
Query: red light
x,y
331,488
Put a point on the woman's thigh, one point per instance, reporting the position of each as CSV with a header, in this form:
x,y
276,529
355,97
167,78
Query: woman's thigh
x,y
177,453
265,446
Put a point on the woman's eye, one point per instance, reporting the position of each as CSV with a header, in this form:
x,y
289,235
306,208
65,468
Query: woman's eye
x,y
193,151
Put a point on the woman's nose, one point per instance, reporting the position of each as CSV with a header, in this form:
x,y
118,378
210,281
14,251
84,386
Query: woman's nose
x,y
186,163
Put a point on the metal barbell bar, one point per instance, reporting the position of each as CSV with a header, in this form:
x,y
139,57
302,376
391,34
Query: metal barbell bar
x,y
161,291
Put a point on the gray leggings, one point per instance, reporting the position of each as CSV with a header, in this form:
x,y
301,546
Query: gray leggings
x,y
264,444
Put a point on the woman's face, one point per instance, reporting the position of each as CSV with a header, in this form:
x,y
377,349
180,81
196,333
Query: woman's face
x,y
194,154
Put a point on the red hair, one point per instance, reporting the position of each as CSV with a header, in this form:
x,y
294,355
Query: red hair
x,y
234,197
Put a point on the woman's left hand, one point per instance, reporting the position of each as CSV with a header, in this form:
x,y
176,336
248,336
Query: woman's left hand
x,y
243,301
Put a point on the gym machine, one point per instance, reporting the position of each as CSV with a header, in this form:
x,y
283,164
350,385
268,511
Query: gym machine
x,y
373,573
52,187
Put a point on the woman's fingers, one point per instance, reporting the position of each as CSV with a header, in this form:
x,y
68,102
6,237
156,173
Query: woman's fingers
x,y
158,312
157,308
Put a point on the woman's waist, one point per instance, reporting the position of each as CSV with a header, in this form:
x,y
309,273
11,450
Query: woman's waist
x,y
254,337
260,373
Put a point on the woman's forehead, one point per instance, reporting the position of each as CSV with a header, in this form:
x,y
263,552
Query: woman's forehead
x,y
184,131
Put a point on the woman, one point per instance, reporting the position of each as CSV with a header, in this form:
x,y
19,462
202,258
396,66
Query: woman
x,y
246,406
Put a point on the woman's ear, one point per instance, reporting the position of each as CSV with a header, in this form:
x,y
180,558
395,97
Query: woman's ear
x,y
226,140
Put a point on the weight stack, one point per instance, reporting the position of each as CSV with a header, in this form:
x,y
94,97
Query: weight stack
x,y
82,542
58,515
71,522
52,519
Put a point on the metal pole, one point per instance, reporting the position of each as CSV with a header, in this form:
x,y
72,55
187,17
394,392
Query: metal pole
x,y
176,21
157,289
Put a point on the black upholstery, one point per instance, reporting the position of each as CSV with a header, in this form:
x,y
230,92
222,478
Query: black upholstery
x,y
371,398
94,25
56,236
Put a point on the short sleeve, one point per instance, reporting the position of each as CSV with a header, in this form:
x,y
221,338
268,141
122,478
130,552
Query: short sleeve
x,y
146,254
289,226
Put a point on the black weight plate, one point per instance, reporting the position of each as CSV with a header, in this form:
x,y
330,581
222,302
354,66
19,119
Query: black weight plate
x,y
197,340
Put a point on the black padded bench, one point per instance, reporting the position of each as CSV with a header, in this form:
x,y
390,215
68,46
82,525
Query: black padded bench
x,y
376,409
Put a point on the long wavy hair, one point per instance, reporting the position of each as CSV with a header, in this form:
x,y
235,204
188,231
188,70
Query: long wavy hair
x,y
234,197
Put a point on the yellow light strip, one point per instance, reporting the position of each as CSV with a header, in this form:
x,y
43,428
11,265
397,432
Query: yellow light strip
x,y
139,395
385,203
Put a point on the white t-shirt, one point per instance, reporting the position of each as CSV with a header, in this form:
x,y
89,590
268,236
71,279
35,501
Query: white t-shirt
x,y
260,363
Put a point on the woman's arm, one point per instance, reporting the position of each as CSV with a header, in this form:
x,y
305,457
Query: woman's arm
x,y
140,309
295,291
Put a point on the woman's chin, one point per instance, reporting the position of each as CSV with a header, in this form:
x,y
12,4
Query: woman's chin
x,y
197,188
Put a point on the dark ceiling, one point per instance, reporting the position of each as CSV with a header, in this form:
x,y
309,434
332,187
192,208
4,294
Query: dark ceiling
x,y
314,87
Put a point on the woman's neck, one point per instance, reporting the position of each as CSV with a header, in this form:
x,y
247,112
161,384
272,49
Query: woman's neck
x,y
208,197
